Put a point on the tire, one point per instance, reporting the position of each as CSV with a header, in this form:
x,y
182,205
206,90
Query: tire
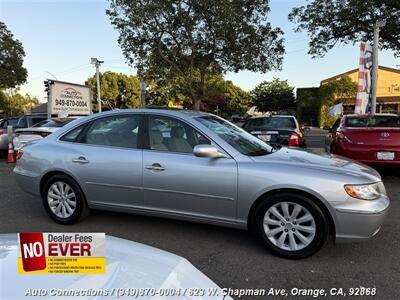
x,y
291,237
68,213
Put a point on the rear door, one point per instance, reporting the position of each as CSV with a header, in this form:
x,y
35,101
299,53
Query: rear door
x,y
106,158
177,181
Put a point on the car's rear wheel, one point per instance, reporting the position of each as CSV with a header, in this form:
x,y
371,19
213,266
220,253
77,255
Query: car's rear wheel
x,y
291,225
63,200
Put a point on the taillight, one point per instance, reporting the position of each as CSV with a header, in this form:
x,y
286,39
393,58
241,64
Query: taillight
x,y
20,153
294,139
344,138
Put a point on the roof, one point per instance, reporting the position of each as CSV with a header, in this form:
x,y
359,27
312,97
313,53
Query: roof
x,y
272,116
174,112
356,70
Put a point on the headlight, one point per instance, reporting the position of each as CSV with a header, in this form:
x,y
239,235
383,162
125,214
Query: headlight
x,y
366,191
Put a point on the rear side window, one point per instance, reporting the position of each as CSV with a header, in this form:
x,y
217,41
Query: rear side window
x,y
72,135
36,120
116,131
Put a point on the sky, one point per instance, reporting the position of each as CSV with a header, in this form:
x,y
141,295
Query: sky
x,y
60,36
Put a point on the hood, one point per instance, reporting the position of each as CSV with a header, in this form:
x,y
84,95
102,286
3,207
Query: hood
x,y
324,162
128,265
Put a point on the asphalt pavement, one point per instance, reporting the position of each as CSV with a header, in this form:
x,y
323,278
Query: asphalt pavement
x,y
233,258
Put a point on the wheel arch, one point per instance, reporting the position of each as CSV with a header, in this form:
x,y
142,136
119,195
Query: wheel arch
x,y
319,202
52,173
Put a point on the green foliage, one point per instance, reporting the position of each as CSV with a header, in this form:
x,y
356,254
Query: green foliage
x,y
335,91
179,39
308,105
16,104
347,21
12,72
117,90
274,95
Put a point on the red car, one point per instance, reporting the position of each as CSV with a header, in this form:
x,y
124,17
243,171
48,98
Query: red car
x,y
373,140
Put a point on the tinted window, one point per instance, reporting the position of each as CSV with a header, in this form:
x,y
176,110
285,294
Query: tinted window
x,y
35,120
9,122
239,139
116,131
169,134
270,122
72,135
376,121
23,123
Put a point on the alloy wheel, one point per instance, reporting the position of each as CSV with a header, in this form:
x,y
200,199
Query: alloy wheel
x,y
289,226
61,199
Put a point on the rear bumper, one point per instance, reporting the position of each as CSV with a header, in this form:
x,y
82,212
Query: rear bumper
x,y
26,182
359,220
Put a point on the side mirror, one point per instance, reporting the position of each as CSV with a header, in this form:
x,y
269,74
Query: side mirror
x,y
207,151
306,129
326,127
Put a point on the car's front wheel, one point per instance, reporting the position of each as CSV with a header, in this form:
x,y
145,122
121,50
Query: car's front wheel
x,y
63,200
291,225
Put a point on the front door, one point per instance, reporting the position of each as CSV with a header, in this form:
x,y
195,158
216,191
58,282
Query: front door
x,y
176,181
107,160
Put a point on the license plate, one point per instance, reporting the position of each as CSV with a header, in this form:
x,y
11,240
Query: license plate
x,y
385,155
265,137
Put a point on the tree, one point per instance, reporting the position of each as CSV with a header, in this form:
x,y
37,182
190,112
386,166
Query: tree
x,y
12,72
16,104
332,22
274,95
181,38
333,92
117,90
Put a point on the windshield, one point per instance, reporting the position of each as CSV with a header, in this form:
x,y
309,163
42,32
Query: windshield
x,y
239,139
270,122
376,121
53,123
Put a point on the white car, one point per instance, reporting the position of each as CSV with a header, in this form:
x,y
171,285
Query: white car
x,y
129,265
38,131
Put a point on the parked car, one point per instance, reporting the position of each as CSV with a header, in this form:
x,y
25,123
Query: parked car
x,y
129,266
373,140
282,130
198,167
38,131
17,122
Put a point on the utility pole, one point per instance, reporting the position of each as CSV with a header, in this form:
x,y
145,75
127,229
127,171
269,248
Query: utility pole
x,y
377,26
97,64
142,94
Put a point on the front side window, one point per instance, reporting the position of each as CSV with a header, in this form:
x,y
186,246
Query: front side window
x,y
115,131
239,139
172,135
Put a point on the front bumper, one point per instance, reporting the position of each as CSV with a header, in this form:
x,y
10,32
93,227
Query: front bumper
x,y
358,220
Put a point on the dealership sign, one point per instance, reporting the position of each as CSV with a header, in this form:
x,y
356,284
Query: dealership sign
x,y
61,253
74,99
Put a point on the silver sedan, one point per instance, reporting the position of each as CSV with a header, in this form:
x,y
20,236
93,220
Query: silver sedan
x,y
198,167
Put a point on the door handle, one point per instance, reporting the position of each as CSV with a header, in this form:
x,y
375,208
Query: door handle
x,y
155,167
80,160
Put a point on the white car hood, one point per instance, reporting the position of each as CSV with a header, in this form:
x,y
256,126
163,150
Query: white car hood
x,y
128,265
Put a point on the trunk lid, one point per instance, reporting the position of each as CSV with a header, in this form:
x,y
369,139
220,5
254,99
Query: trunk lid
x,y
374,136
